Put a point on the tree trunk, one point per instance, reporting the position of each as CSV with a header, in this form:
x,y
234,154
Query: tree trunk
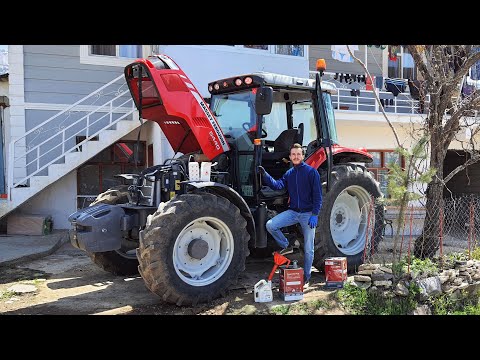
x,y
428,243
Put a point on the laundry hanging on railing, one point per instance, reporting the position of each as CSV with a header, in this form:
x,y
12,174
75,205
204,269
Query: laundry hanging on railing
x,y
349,78
340,52
395,86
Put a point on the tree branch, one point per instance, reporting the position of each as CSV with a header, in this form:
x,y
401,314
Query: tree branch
x,y
376,97
414,50
459,168
463,70
452,125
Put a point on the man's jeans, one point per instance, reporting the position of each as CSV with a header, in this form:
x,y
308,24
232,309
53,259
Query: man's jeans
x,y
290,217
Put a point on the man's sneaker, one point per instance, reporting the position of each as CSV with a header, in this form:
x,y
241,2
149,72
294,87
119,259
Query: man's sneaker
x,y
306,285
287,250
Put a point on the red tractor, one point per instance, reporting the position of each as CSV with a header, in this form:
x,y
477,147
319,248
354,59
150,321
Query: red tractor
x,y
189,238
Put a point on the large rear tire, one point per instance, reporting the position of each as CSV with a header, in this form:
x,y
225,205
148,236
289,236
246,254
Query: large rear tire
x,y
343,218
193,248
124,261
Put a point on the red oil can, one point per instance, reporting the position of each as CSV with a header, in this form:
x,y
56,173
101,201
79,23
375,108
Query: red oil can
x,y
335,272
291,282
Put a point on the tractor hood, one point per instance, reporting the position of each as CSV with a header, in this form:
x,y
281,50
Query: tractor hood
x,y
169,98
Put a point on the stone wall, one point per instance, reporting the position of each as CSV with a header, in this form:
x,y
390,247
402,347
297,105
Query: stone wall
x,y
454,278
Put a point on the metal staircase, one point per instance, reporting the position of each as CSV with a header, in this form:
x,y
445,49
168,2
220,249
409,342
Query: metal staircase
x,y
66,140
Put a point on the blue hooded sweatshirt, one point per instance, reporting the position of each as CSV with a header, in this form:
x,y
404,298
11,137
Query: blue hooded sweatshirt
x,y
303,185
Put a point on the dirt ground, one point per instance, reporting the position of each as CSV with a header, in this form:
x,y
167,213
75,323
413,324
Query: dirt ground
x,y
67,282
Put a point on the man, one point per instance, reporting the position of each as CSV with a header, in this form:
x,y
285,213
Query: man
x,y
304,188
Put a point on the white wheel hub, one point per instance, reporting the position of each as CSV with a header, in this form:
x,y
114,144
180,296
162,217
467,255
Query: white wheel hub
x,y
348,219
203,251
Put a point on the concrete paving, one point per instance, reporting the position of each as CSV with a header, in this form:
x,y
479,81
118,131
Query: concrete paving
x,y
15,249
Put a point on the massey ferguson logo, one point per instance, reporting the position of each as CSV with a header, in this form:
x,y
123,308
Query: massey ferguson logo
x,y
213,140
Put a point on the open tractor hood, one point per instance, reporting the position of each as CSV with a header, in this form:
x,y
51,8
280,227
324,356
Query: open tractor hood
x,y
169,98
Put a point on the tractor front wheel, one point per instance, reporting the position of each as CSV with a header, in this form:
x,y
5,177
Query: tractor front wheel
x,y
193,248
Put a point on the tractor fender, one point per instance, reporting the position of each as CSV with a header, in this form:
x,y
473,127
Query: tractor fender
x,y
232,196
341,155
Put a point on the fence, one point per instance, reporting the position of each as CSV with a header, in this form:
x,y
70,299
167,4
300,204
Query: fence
x,y
453,226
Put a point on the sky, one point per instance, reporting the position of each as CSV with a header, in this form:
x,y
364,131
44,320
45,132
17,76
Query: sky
x,y
3,47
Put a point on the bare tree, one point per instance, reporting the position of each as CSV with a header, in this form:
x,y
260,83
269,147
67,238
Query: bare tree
x,y
443,68
450,115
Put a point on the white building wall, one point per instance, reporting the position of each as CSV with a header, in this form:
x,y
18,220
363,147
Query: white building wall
x,y
206,63
15,122
3,88
58,200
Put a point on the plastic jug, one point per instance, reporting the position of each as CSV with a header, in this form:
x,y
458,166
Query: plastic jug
x,y
263,291
205,170
193,171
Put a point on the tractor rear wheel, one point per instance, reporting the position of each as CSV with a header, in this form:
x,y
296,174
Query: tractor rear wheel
x,y
124,260
342,228
193,248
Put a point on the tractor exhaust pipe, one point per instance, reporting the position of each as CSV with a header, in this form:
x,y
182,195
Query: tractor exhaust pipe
x,y
260,217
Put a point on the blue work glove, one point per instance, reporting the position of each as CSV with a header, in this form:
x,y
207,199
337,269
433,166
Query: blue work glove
x,y
313,221
261,170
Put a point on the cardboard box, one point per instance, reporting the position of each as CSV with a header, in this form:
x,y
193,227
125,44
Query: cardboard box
x,y
24,224
335,272
291,283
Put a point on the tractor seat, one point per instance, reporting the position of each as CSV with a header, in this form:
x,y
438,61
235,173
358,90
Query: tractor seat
x,y
281,145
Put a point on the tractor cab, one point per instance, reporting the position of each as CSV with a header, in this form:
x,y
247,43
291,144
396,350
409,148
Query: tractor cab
x,y
292,119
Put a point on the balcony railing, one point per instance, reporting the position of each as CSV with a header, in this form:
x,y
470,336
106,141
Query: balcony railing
x,y
355,97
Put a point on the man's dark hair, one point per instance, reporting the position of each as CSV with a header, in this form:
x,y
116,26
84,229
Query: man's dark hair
x,y
297,146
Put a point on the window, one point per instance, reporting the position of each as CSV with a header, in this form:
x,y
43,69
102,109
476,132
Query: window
x,y
290,50
114,55
379,166
475,71
276,121
294,50
401,63
128,51
302,113
261,47
98,174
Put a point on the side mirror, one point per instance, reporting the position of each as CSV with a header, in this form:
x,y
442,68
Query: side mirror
x,y
264,100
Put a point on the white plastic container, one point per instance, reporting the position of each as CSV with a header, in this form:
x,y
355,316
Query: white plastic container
x,y
205,170
193,171
262,291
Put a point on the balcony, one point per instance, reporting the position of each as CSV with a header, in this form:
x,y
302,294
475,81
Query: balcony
x,y
354,97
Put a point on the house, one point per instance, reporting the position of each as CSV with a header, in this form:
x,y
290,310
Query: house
x,y
59,96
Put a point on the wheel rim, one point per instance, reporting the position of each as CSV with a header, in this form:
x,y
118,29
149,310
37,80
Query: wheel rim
x,y
348,219
203,251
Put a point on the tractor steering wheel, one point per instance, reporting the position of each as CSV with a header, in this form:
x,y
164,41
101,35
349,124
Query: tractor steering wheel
x,y
247,128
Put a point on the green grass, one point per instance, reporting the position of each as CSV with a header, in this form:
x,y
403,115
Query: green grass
x,y
466,304
35,282
301,308
6,295
361,302
280,309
